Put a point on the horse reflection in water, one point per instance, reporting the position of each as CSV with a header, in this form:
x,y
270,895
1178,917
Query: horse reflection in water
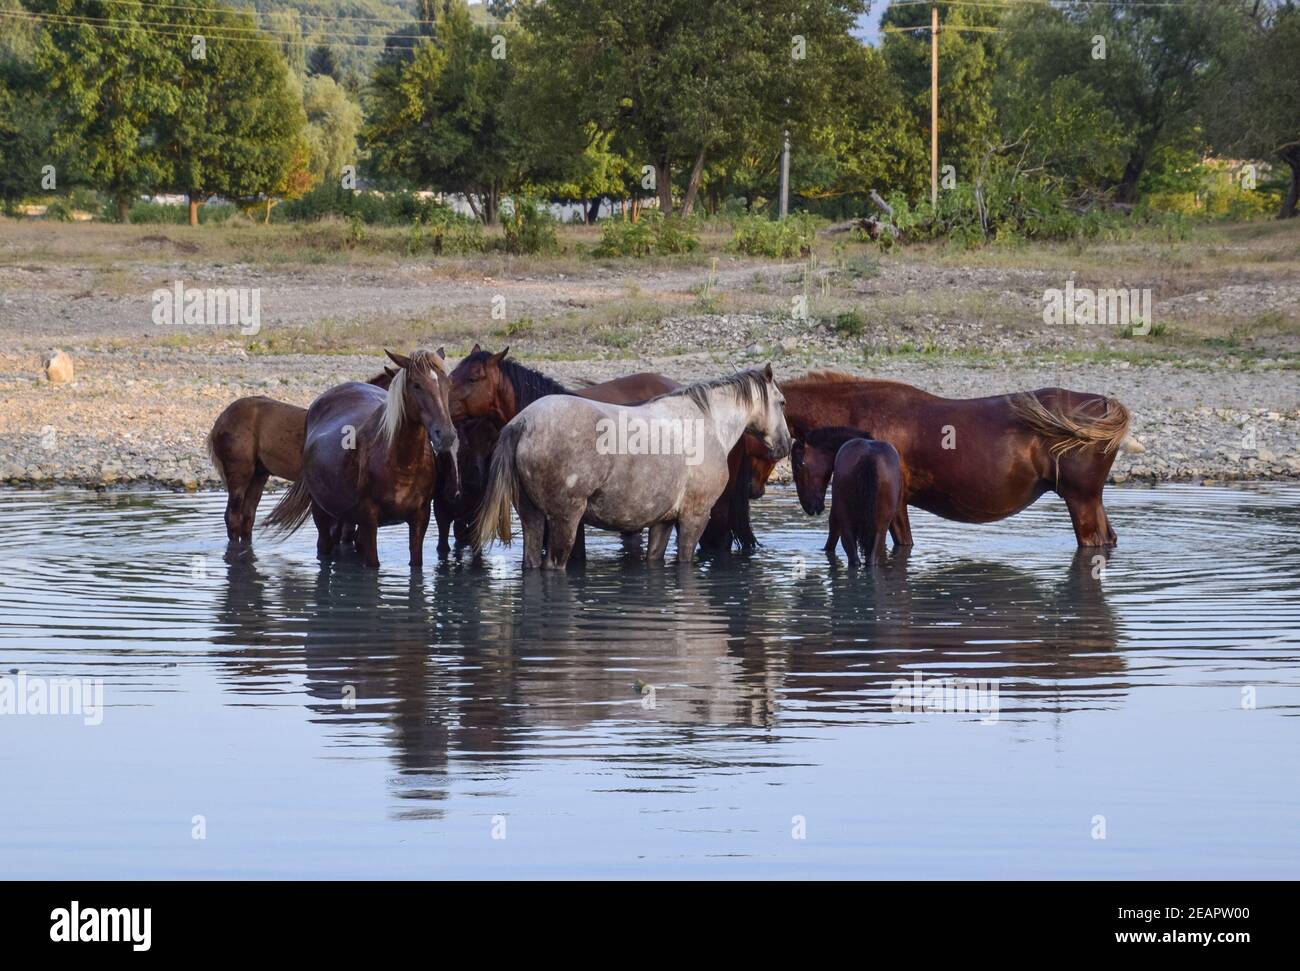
x,y
438,668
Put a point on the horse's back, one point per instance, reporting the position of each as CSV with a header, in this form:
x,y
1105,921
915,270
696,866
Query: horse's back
x,y
257,430
343,404
330,455
628,389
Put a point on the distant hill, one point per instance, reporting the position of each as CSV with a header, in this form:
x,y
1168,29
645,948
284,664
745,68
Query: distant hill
x,y
354,29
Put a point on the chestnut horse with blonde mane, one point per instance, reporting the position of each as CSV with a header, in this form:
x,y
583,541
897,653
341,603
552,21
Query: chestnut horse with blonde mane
x,y
253,439
977,460
370,458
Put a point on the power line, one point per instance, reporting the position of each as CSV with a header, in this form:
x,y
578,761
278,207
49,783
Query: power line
x,y
186,31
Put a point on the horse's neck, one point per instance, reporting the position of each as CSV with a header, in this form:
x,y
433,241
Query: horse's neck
x,y
410,438
730,417
531,386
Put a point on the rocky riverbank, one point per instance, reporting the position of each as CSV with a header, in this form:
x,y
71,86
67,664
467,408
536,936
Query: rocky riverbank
x,y
139,417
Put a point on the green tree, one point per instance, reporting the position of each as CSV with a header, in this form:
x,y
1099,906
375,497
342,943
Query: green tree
x,y
439,119
971,56
238,125
684,83
1252,103
333,124
1145,64
111,87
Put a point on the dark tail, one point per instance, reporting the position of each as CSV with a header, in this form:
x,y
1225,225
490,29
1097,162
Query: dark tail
x,y
494,513
291,511
210,445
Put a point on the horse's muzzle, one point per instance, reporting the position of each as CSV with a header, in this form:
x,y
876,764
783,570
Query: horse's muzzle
x,y
780,449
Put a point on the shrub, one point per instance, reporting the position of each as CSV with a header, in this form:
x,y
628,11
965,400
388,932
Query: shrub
x,y
851,323
372,208
528,229
447,233
212,213
793,236
651,234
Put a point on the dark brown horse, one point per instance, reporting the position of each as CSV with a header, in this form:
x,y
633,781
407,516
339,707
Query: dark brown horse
x,y
868,487
977,460
487,385
370,458
253,439
456,503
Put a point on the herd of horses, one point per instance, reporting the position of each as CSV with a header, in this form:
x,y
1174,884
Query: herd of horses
x,y
492,437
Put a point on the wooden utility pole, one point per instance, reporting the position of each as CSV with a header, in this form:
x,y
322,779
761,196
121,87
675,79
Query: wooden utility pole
x,y
934,105
785,174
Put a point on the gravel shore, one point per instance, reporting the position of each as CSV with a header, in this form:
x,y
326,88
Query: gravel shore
x,y
1216,397
140,417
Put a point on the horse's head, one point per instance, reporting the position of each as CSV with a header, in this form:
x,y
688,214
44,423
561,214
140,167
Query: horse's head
x,y
479,389
767,416
812,467
425,385
478,440
761,465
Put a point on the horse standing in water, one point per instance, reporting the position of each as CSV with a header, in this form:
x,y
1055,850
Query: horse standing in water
x,y
253,439
487,385
369,458
456,502
868,484
977,460
561,464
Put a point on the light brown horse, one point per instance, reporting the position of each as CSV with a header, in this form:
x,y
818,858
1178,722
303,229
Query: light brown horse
x,y
253,439
369,458
977,460
487,385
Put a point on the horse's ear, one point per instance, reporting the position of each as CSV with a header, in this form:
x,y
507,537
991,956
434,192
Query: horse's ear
x,y
477,347
500,356
400,360
767,371
442,353
390,371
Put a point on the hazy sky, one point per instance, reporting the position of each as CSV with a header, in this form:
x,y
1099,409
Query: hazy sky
x,y
868,26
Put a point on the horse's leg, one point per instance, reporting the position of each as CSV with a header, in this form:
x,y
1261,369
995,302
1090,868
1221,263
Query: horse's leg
x,y
562,532
832,538
418,525
578,553
878,544
347,532
239,475
689,530
632,544
533,523
849,540
444,517
743,527
654,552
368,538
248,511
1088,515
901,528
326,531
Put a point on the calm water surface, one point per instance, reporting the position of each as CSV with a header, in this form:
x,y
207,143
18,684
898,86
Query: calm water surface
x,y
660,722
